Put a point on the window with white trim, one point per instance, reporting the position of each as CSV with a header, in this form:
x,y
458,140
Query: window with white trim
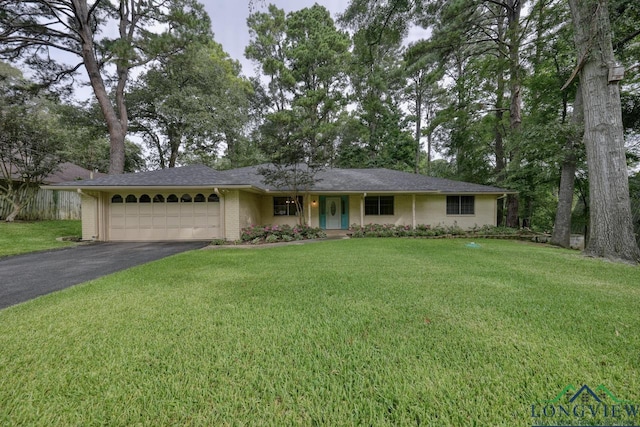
x,y
378,205
285,206
461,205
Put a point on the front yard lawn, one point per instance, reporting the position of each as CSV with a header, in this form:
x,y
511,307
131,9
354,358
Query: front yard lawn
x,y
22,237
337,333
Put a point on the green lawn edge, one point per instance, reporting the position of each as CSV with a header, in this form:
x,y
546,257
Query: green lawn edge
x,y
22,237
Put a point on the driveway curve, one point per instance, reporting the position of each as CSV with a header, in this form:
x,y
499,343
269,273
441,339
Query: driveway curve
x,y
24,277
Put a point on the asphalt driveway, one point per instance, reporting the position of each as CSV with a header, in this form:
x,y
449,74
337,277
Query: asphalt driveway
x,y
23,277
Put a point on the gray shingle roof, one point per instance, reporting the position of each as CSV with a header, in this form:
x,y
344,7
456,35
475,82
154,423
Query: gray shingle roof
x,y
188,176
70,172
329,180
65,172
371,180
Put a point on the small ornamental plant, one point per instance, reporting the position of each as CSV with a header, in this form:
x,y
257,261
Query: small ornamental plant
x,y
271,238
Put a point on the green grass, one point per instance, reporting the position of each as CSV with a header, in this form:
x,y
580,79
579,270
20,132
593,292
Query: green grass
x,y
352,332
22,237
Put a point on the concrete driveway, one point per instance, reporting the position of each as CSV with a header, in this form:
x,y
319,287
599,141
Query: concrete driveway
x,y
23,277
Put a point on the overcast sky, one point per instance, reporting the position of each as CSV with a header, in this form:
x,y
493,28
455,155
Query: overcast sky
x,y
229,24
229,21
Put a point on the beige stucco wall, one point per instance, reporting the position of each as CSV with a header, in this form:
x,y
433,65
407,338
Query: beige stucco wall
x,y
429,210
231,214
250,209
436,212
267,216
402,212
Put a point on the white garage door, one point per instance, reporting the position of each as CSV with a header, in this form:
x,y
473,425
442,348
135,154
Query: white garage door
x,y
164,216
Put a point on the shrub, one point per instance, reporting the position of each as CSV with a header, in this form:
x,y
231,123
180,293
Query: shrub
x,y
271,238
425,230
251,233
274,233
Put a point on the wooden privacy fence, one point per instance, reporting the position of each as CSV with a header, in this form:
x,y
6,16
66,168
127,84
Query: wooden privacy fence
x,y
48,204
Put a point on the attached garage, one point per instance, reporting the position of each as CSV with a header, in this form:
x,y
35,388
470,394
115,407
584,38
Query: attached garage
x,y
163,216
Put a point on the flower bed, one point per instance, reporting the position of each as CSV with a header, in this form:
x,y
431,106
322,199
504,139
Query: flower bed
x,y
257,234
422,230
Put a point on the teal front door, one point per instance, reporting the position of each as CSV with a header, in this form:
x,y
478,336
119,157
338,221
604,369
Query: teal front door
x,y
334,212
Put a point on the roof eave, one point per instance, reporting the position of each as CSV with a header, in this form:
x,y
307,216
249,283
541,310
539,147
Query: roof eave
x,y
148,187
392,192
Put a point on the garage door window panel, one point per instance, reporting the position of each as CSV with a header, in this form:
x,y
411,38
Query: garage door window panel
x,y
186,211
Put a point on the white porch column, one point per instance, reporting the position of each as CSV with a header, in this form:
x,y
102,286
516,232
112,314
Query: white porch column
x,y
362,209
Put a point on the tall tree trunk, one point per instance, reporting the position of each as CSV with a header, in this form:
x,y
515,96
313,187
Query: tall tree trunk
x,y
499,149
18,198
429,142
175,139
418,122
611,234
561,235
17,207
499,143
514,8
117,130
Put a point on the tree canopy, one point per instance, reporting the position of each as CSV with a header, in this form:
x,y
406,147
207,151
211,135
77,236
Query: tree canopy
x,y
493,92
